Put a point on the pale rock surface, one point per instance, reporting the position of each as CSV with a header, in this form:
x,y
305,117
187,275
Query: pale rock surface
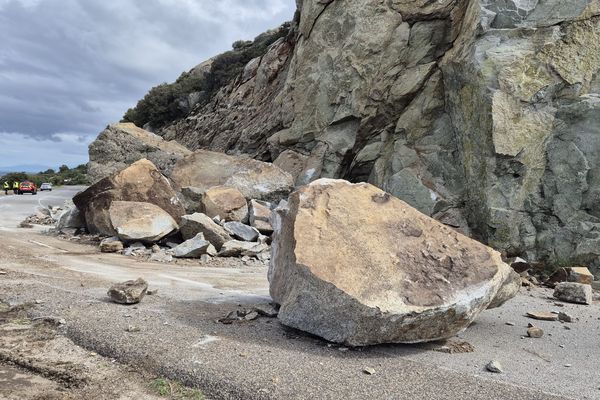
x,y
140,182
573,292
120,145
137,221
354,265
254,179
260,216
194,248
226,202
241,231
196,223
128,292
237,248
111,245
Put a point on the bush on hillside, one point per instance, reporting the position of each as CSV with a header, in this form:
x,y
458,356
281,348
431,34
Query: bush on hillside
x,y
167,102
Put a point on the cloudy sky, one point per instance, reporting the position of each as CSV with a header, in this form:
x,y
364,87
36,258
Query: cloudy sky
x,y
70,67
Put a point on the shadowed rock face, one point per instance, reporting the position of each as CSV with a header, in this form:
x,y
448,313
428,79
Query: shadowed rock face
x,y
140,182
355,265
468,110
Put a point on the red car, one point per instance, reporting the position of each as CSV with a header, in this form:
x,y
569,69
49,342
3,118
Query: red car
x,y
27,187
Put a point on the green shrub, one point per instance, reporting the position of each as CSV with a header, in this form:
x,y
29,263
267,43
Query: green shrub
x,y
167,102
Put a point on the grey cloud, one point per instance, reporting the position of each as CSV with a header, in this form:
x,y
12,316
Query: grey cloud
x,y
69,66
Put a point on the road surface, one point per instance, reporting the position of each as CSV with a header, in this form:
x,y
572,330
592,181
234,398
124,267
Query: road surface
x,y
179,337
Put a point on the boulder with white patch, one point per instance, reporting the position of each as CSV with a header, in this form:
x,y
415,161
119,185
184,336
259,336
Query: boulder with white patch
x,y
355,265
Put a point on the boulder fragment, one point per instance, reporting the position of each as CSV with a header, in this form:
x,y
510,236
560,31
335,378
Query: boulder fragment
x,y
260,216
580,275
535,332
225,202
255,179
194,248
145,222
236,248
128,292
572,292
355,265
71,218
111,245
196,223
241,231
140,182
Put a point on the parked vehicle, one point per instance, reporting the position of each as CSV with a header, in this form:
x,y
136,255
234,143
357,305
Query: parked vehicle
x,y
46,186
27,187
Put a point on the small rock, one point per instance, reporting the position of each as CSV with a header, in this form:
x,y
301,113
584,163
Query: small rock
x,y
259,216
3,272
151,292
155,248
495,367
251,316
535,332
369,371
236,248
111,245
542,316
241,231
572,292
205,258
564,317
560,275
194,247
580,275
227,202
568,365
162,257
510,323
267,310
129,292
520,265
133,328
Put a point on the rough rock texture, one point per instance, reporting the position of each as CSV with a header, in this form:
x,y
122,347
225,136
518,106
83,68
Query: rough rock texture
x,y
194,248
241,231
196,223
355,265
573,292
137,221
225,202
128,292
111,245
120,145
254,179
140,182
259,215
236,248
70,218
481,113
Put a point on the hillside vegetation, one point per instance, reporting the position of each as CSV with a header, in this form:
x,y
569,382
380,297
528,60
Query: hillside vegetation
x,y
169,102
64,176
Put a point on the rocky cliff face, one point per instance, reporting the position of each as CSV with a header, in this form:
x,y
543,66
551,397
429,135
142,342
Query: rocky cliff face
x,y
482,113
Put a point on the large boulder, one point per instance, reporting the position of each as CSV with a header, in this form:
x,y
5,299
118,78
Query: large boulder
x,y
140,182
355,265
255,179
120,145
136,221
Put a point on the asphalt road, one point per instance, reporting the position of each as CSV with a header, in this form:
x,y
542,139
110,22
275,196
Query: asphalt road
x,y
261,359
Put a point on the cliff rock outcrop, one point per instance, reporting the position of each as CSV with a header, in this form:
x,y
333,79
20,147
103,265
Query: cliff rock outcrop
x,y
481,113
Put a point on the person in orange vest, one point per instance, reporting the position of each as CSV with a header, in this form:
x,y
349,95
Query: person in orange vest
x,y
16,187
